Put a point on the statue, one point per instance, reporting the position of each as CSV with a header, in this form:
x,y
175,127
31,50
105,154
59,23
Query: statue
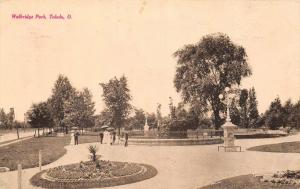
x,y
146,126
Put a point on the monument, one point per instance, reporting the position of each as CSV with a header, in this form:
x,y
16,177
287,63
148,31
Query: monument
x,y
146,126
228,126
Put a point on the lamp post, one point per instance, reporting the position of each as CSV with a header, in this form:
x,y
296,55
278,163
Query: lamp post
x,y
228,97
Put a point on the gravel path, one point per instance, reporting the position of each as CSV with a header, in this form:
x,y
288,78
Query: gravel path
x,y
181,167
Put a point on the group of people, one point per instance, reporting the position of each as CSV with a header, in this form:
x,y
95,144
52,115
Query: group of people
x,y
110,138
105,138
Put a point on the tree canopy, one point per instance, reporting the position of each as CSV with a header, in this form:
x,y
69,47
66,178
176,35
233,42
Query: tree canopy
x,y
61,93
116,96
79,110
204,70
39,116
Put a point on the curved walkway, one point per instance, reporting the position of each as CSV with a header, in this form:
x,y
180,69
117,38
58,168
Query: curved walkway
x,y
181,167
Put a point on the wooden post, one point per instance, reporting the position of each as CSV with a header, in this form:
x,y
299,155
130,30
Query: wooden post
x,y
40,159
19,176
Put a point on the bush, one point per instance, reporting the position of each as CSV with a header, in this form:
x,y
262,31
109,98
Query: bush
x,y
93,150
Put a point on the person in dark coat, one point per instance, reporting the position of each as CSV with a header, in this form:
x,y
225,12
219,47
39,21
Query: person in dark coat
x,y
101,137
126,139
114,137
76,135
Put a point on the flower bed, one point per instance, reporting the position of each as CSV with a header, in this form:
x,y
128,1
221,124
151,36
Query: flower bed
x,y
283,177
88,175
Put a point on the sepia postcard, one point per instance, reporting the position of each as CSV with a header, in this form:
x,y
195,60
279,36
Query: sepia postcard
x,y
143,94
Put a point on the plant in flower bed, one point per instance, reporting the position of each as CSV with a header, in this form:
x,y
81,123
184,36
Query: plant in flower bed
x,y
283,177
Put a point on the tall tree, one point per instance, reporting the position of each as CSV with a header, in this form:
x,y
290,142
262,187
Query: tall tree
x,y
294,117
274,115
116,96
79,110
61,93
253,111
11,118
206,68
39,116
3,119
243,102
138,120
172,108
287,111
235,113
105,118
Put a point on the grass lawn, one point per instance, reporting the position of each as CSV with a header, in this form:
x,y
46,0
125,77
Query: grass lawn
x,y
88,139
26,152
247,182
286,147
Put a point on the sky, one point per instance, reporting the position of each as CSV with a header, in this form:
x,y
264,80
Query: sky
x,y
137,38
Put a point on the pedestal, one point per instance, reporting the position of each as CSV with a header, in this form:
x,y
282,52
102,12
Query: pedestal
x,y
229,129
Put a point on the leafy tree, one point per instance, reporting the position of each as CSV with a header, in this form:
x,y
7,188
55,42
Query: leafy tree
x,y
151,119
138,120
244,108
274,115
253,112
206,68
116,96
61,93
235,114
172,109
105,118
11,118
39,116
3,119
294,117
88,117
287,113
79,110
261,120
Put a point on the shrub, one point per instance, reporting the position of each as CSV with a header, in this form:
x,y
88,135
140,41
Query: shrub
x,y
93,150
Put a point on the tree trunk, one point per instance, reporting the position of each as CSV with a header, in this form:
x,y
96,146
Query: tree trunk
x,y
38,132
217,119
18,132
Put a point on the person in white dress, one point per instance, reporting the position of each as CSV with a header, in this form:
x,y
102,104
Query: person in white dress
x,y
105,137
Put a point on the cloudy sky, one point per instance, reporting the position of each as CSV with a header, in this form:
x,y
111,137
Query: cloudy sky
x,y
137,38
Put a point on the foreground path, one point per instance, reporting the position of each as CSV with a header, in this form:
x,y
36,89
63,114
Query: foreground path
x,y
178,166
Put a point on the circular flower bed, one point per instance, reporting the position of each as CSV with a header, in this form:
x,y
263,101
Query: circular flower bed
x,y
283,177
90,174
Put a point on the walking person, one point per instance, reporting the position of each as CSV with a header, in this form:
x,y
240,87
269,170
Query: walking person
x,y
101,137
110,138
126,139
114,137
76,136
